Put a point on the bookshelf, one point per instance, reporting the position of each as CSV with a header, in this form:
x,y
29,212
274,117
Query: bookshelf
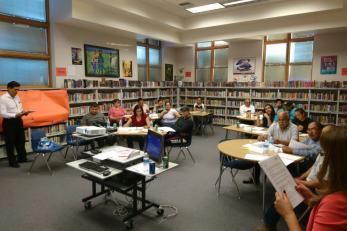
x,y
323,101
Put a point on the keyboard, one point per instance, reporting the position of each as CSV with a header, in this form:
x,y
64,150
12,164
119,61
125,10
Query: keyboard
x,y
92,166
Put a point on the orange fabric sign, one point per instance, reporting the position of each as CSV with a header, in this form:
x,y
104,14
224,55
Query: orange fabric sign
x,y
49,106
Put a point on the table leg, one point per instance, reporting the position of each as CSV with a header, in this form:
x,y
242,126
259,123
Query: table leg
x,y
226,134
264,191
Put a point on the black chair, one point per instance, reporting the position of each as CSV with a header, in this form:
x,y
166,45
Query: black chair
x,y
234,166
208,122
36,135
183,142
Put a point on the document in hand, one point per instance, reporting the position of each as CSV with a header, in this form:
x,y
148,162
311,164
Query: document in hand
x,y
281,179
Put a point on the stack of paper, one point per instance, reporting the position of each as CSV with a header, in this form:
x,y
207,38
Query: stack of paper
x,y
166,129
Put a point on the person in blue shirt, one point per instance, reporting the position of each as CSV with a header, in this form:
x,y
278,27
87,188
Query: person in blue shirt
x,y
291,108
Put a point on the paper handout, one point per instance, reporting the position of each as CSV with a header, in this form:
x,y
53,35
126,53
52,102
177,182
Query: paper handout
x,y
281,179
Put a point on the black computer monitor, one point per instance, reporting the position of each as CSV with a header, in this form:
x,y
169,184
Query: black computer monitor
x,y
154,146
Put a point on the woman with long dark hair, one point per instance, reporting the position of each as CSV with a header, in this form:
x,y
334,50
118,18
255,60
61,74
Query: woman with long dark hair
x,y
267,117
330,207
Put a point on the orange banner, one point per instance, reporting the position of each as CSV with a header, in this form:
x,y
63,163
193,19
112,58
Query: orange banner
x,y
49,106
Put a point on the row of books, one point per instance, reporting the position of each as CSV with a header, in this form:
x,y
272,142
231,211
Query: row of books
x,y
85,83
289,84
237,94
149,94
166,92
293,95
78,97
324,119
195,93
324,96
215,102
323,107
343,108
262,94
109,96
131,94
343,96
54,128
216,93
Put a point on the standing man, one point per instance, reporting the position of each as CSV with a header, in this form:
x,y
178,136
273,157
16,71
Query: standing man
x,y
12,111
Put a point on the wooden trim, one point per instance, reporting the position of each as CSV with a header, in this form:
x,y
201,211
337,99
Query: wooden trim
x,y
302,39
286,73
13,54
276,41
17,20
264,57
48,31
221,47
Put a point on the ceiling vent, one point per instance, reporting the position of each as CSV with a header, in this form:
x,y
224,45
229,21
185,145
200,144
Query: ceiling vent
x,y
186,4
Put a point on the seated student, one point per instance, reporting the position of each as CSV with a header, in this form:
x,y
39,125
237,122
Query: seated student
x,y
159,106
199,106
116,113
169,116
329,208
139,119
144,106
282,132
291,108
279,106
94,117
312,142
184,124
247,107
266,117
301,120
308,179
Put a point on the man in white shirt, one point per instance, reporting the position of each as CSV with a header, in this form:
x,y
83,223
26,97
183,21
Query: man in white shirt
x,y
247,107
12,111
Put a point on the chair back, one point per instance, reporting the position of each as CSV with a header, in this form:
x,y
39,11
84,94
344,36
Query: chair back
x,y
209,119
69,131
36,135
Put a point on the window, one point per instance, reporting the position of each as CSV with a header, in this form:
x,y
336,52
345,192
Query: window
x,y
24,45
288,57
149,60
211,61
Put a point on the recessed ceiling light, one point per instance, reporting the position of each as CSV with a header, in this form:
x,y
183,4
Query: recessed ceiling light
x,y
237,2
205,8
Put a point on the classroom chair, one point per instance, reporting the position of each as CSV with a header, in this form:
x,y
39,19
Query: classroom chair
x,y
36,135
183,143
227,162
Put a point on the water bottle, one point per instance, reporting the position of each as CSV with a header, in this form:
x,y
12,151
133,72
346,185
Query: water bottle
x,y
151,124
120,123
146,163
108,123
271,141
265,146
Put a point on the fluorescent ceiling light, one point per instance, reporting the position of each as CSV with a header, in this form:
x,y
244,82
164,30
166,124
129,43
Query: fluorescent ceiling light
x,y
205,8
237,2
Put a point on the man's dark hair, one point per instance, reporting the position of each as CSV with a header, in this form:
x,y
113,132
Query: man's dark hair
x,y
94,105
139,99
279,100
301,111
319,125
185,108
116,100
13,84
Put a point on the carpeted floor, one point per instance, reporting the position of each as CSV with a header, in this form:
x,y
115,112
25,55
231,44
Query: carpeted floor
x,y
43,202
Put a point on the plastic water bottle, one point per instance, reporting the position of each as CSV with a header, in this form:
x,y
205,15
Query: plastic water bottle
x,y
120,123
146,163
271,141
265,146
108,123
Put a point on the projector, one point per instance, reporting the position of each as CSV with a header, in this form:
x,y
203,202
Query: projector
x,y
91,130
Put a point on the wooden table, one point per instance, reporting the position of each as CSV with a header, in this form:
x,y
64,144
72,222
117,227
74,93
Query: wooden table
x,y
254,130
202,116
135,132
252,119
235,149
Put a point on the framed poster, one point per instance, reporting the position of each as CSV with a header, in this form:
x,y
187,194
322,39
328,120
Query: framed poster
x,y
127,68
244,66
328,65
168,72
76,56
101,61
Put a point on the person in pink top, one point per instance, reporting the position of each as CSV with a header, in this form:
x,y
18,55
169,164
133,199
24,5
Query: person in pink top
x,y
116,113
329,212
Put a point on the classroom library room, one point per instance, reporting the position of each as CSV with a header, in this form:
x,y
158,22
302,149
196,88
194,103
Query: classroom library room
x,y
173,115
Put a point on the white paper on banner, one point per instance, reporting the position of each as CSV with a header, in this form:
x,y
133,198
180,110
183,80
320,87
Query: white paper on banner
x,y
281,179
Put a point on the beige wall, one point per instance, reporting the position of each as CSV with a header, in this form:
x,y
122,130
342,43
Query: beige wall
x,y
66,37
185,59
327,45
168,55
